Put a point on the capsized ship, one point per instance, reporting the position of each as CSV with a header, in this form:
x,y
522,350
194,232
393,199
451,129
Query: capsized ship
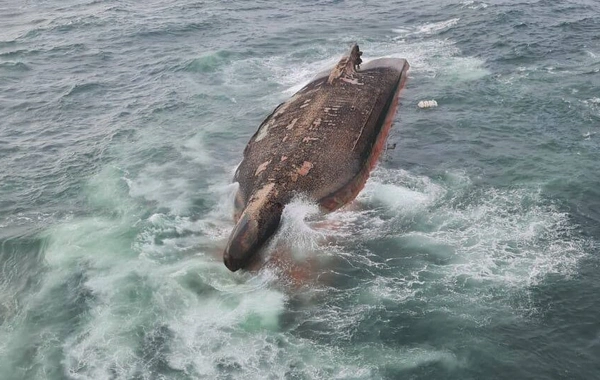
x,y
322,143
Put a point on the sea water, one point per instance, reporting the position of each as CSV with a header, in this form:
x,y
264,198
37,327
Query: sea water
x,y
472,252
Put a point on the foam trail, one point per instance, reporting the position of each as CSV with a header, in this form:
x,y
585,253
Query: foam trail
x,y
435,27
498,238
129,283
475,5
433,57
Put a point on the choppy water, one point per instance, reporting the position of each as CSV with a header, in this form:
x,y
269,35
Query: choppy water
x,y
472,253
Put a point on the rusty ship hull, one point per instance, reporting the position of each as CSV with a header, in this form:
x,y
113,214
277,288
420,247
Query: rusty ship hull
x,y
321,143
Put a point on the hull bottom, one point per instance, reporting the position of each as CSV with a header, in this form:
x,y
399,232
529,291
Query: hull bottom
x,y
350,191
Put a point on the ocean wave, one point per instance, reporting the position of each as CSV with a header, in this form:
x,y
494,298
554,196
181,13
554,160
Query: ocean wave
x,y
14,66
428,28
439,59
472,4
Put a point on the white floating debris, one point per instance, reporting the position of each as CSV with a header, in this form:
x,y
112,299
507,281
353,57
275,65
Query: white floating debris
x,y
427,104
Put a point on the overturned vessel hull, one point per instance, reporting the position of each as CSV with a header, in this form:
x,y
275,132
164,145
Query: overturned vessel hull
x,y
323,142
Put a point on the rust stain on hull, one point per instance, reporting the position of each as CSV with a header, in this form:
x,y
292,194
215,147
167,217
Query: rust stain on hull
x,y
306,166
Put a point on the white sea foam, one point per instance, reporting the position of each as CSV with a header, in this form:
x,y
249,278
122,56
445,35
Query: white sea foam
x,y
434,27
439,58
400,192
198,301
508,239
155,185
592,102
198,318
285,70
592,105
428,28
196,150
471,4
295,231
